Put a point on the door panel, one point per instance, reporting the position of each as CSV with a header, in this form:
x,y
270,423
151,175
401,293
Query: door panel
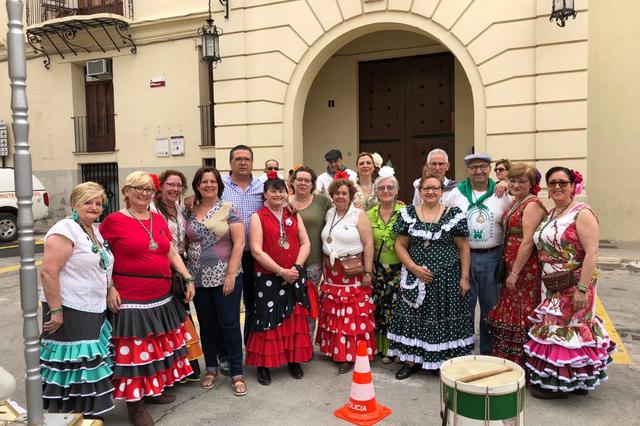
x,y
100,116
406,110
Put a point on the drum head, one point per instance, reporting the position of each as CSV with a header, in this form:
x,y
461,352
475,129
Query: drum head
x,y
482,375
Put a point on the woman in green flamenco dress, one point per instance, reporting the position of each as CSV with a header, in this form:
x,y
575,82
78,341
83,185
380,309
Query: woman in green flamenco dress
x,y
75,359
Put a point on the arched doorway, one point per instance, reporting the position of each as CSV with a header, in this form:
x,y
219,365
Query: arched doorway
x,y
299,147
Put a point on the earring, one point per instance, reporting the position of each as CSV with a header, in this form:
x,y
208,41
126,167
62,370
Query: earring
x,y
75,215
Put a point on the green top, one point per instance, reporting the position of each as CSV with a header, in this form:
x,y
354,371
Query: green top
x,y
384,232
313,218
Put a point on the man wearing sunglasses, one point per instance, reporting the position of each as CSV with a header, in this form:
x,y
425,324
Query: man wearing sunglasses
x,y
437,165
477,196
270,166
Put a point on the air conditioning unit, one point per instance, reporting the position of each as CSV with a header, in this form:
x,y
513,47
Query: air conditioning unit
x,y
100,68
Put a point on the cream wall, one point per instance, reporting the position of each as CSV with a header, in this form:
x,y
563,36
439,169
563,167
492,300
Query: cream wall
x,y
527,78
614,129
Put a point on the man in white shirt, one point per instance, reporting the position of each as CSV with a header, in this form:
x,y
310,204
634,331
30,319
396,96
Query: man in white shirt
x,y
334,163
484,209
437,165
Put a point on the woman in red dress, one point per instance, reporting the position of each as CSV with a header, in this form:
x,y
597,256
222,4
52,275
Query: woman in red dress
x,y
520,294
280,246
149,336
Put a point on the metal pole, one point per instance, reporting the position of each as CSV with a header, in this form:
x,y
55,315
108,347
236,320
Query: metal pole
x,y
212,113
24,190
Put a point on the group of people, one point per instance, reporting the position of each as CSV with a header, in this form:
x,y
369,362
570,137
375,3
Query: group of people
x,y
333,259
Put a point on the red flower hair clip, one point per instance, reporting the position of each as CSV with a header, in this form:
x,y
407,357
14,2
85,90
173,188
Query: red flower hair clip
x,y
156,181
579,181
271,175
341,174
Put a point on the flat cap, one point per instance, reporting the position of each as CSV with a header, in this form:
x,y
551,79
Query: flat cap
x,y
333,154
477,156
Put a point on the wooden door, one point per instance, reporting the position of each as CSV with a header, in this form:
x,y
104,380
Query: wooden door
x,y
100,118
406,110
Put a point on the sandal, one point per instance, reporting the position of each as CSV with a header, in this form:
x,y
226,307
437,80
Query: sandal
x,y
239,386
209,380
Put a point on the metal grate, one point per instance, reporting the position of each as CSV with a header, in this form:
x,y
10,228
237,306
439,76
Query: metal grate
x,y
38,11
205,126
106,174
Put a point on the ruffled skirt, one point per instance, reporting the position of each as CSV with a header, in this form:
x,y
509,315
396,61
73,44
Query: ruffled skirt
x,y
568,350
75,364
346,316
150,347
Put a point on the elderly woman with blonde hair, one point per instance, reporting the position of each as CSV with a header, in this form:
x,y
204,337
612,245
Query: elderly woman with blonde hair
x,y
149,335
74,348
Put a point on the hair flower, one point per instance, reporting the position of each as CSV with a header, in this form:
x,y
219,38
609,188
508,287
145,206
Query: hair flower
x,y
377,159
341,174
535,190
386,172
579,182
156,181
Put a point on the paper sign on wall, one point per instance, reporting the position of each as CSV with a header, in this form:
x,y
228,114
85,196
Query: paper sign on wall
x,y
177,145
162,147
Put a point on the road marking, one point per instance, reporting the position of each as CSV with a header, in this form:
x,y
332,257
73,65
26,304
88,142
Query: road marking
x,y
621,356
12,268
38,243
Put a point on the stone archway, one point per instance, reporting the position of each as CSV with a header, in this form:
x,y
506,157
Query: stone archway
x,y
337,37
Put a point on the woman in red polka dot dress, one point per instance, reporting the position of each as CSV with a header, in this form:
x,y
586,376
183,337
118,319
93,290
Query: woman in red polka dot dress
x,y
149,336
346,311
280,246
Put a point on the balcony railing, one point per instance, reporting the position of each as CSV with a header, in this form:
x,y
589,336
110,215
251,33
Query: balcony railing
x,y
95,133
43,10
205,126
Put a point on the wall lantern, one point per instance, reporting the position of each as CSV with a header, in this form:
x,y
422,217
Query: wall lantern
x,y
562,10
210,41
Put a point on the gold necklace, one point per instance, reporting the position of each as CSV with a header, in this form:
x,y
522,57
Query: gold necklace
x,y
152,244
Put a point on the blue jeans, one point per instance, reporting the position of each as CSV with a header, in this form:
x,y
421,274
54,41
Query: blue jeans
x,y
484,288
219,314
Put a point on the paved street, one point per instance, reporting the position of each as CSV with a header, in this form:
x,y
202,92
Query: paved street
x,y
414,401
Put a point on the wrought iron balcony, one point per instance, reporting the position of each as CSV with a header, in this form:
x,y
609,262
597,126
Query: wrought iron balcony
x,y
205,126
39,11
95,133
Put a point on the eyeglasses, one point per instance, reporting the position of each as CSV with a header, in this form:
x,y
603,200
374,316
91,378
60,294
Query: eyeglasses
x,y
431,188
173,185
499,169
143,190
483,167
300,180
242,159
386,188
273,168
560,183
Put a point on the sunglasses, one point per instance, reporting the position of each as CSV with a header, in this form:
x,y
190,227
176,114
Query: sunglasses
x,y
499,169
560,183
273,168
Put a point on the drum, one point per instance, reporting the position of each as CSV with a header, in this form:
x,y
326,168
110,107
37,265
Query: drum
x,y
482,390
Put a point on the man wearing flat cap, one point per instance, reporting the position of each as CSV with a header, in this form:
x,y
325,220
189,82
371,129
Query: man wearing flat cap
x,y
334,164
484,203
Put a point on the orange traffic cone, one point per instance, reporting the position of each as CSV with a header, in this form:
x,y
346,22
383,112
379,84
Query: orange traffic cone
x,y
362,408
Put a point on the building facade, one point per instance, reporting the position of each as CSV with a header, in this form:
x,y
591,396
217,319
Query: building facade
x,y
299,77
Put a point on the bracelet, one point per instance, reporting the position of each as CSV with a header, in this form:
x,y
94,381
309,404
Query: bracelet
x,y
56,311
582,287
367,274
189,280
514,274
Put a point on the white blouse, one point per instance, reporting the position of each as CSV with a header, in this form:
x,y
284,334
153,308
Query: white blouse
x,y
340,236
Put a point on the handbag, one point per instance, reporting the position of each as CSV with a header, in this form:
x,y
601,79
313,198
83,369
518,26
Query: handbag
x,y
178,287
352,265
558,281
500,274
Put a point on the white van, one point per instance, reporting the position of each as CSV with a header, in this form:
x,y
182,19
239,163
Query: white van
x,y
9,204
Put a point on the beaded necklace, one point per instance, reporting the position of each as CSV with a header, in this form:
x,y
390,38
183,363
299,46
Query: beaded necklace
x,y
100,249
552,219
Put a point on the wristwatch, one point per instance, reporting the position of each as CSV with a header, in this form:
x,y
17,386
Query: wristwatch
x,y
367,274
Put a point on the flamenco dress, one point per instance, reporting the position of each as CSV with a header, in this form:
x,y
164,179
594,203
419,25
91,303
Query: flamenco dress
x,y
568,349
509,319
281,330
149,334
